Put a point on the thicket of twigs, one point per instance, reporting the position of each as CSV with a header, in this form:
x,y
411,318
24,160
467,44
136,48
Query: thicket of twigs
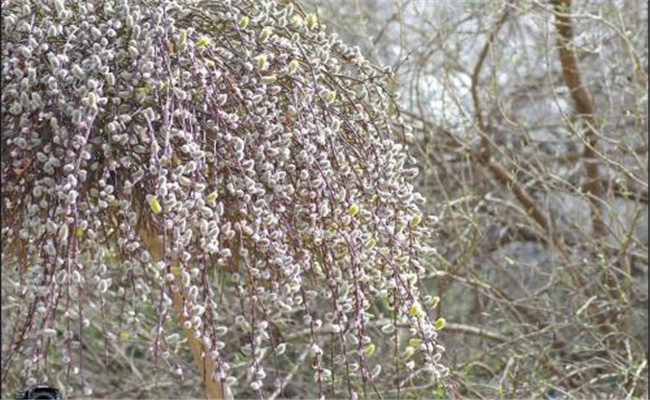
x,y
531,131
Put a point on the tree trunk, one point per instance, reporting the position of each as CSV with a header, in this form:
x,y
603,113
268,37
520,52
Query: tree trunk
x,y
215,389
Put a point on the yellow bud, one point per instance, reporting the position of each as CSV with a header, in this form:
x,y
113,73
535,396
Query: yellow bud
x,y
415,221
243,22
78,232
440,323
212,196
353,210
415,309
331,96
311,20
176,271
293,66
408,353
204,41
370,350
125,335
155,205
265,34
262,61
415,342
197,94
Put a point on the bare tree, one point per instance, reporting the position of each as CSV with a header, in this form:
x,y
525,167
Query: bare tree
x,y
531,130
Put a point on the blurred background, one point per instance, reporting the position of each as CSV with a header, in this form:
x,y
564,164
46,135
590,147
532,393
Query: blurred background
x,y
530,123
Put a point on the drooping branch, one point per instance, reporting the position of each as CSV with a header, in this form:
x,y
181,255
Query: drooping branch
x,y
233,129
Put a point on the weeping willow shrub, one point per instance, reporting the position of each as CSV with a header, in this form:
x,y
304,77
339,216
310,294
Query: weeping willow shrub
x,y
229,166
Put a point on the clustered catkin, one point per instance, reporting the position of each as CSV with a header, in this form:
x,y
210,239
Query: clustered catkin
x,y
259,151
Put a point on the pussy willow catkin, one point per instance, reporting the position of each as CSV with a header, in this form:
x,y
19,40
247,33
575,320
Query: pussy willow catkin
x,y
259,150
